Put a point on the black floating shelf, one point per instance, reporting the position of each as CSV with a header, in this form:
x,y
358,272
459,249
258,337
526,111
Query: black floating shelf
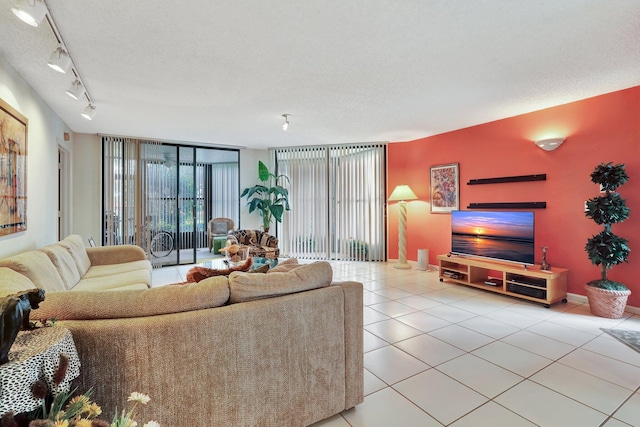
x,y
511,205
501,180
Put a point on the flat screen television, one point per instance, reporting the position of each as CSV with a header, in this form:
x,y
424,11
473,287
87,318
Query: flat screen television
x,y
504,236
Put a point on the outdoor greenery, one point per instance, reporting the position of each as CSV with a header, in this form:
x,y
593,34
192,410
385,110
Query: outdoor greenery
x,y
269,200
605,249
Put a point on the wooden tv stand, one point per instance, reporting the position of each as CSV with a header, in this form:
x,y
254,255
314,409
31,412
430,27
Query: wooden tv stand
x,y
533,284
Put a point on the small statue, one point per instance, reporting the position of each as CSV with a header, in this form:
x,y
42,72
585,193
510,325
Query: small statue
x,y
14,315
544,265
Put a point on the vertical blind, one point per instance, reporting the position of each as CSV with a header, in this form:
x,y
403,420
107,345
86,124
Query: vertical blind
x,y
337,197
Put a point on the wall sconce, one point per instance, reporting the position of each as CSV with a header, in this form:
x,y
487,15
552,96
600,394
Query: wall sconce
x,y
550,144
402,193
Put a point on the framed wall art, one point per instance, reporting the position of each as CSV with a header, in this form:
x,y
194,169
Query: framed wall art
x,y
445,188
13,170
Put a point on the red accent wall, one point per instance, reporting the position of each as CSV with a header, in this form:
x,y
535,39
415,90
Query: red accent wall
x,y
605,128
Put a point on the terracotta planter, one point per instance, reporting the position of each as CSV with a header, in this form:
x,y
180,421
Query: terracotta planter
x,y
606,303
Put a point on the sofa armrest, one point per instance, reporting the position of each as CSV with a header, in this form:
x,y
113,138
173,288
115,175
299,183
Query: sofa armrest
x,y
107,255
353,338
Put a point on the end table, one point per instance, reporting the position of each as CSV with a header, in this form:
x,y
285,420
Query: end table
x,y
35,355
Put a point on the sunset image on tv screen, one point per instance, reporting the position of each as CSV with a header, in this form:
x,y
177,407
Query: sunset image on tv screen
x,y
506,236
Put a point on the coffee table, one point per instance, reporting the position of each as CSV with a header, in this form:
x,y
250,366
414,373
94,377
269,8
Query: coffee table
x,y
220,264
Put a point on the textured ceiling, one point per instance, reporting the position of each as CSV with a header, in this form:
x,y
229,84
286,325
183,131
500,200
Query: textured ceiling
x,y
224,72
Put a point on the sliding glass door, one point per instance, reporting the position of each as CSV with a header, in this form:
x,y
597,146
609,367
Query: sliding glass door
x,y
161,196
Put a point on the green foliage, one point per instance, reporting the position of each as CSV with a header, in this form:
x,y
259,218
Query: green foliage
x,y
609,285
269,201
609,176
605,249
607,209
358,249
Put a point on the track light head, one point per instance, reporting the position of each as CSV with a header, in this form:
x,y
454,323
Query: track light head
x,y
30,11
76,90
285,125
89,112
59,60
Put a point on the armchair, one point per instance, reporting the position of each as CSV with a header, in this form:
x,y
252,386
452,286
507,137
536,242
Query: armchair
x,y
260,244
217,230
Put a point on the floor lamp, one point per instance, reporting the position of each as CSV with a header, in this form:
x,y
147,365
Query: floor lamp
x,y
402,193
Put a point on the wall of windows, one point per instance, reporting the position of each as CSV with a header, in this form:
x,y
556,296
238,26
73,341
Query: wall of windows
x,y
160,196
337,196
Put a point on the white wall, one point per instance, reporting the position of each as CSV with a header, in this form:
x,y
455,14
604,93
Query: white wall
x,y
87,186
45,132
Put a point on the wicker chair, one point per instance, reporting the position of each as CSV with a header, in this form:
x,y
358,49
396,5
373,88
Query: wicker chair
x,y
260,243
217,230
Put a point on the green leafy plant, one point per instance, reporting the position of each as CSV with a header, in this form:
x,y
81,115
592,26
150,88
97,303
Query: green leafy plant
x,y
358,249
605,249
269,200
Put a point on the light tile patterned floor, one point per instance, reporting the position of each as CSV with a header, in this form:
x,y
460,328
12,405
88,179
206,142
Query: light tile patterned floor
x,y
439,354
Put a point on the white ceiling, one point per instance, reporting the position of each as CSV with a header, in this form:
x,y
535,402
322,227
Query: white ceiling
x,y
224,72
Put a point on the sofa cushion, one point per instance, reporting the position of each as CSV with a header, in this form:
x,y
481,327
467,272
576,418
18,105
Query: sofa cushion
x,y
114,280
75,246
64,263
12,282
208,293
38,268
107,270
248,287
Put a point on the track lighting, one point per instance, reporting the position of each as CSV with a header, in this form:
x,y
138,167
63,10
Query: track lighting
x,y
89,112
285,125
60,60
76,90
30,11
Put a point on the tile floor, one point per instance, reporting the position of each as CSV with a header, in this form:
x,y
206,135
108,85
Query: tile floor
x,y
439,354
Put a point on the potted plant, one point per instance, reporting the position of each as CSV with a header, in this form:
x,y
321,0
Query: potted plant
x,y
607,298
269,201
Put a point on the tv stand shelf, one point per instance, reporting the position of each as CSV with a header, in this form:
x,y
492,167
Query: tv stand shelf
x,y
530,283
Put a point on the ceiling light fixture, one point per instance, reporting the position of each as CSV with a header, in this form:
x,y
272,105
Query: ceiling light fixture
x,y
89,112
30,11
76,90
60,60
549,144
285,125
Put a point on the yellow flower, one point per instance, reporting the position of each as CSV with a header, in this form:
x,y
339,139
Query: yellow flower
x,y
61,423
139,397
83,423
93,410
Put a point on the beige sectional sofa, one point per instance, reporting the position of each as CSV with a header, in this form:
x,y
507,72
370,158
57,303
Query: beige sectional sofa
x,y
69,266
277,349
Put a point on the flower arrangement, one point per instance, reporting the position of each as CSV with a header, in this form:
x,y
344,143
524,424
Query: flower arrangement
x,y
77,411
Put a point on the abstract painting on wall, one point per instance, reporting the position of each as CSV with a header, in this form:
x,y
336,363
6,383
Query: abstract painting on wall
x,y
445,188
13,170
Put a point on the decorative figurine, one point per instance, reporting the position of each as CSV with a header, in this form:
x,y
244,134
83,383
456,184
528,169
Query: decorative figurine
x,y
14,315
544,265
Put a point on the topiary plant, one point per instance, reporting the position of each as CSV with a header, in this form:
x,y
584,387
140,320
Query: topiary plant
x,y
605,249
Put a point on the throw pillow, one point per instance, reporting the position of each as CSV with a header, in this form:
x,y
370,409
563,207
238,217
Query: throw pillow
x,y
248,287
199,273
219,227
114,304
286,265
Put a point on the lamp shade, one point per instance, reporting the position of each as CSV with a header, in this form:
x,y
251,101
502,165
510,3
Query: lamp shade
x,y
402,193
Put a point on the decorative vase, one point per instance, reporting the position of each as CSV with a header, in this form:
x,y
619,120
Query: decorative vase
x,y
606,303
